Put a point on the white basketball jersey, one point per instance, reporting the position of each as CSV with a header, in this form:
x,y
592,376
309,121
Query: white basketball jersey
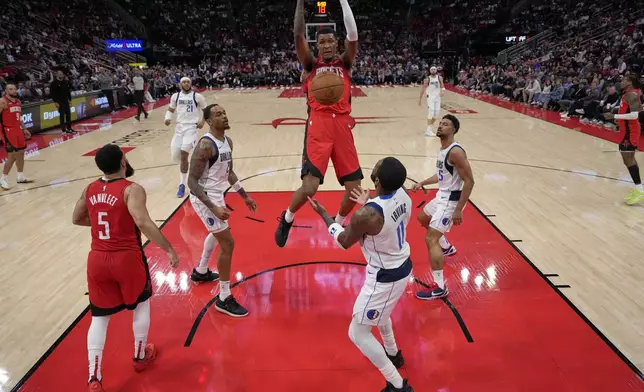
x,y
448,177
187,106
434,86
214,179
389,248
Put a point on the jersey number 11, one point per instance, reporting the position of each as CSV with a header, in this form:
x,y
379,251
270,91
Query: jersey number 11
x,y
400,231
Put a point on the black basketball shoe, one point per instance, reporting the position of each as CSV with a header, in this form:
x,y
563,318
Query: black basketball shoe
x,y
209,276
231,307
281,234
397,359
405,388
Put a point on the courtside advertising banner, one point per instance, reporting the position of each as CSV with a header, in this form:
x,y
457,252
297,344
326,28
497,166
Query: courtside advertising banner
x,y
123,45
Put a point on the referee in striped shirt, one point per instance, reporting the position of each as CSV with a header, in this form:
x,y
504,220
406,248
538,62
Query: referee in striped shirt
x,y
139,93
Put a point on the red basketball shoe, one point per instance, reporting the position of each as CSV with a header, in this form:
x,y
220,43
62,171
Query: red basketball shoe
x,y
150,354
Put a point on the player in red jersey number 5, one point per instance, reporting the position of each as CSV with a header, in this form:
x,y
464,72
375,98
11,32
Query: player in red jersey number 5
x,y
118,277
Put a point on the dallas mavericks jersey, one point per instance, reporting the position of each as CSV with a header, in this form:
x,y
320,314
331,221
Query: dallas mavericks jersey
x,y
449,180
187,106
215,177
389,248
434,87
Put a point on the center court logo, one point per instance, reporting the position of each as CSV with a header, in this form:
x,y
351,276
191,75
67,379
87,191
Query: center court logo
x,y
302,121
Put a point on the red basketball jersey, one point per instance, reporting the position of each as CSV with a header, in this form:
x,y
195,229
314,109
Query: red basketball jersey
x,y
11,116
629,125
113,228
343,106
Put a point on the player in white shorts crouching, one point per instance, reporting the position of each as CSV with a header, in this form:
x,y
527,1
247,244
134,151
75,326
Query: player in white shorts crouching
x,y
211,172
188,105
380,226
455,184
433,88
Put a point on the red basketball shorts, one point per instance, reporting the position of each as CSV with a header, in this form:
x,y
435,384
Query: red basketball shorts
x,y
632,131
117,280
14,139
330,136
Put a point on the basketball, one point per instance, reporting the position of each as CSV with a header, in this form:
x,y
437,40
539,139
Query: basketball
x,y
327,88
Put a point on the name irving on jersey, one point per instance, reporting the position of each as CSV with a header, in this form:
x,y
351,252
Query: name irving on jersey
x,y
399,211
336,70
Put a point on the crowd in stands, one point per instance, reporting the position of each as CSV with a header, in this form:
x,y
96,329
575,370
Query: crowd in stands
x,y
577,76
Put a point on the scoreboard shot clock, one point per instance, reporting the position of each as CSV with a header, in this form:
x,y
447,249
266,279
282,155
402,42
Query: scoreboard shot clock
x,y
321,7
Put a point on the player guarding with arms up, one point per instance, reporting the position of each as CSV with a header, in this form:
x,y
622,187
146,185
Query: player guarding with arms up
x,y
627,119
455,184
13,134
380,226
117,270
211,173
189,107
328,133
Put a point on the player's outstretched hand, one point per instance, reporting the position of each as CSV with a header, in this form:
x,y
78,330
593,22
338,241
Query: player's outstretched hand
x,y
317,207
174,259
250,203
457,217
221,213
416,187
359,195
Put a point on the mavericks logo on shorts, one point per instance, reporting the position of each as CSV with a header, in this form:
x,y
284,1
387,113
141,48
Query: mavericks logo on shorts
x,y
445,221
210,221
372,314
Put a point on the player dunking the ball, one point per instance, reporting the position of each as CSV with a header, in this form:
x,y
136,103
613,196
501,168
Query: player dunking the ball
x,y
189,106
328,133
13,133
117,270
627,119
380,226
211,172
455,184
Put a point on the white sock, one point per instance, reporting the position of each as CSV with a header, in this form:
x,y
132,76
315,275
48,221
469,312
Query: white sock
x,y
95,344
184,178
339,219
388,340
362,337
4,176
21,176
289,216
438,278
209,246
444,243
224,289
141,326
640,187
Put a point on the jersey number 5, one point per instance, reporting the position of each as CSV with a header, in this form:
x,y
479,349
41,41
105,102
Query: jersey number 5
x,y
440,175
400,231
103,235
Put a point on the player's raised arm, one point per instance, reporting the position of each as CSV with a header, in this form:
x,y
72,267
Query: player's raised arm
x,y
349,55
80,216
365,220
301,44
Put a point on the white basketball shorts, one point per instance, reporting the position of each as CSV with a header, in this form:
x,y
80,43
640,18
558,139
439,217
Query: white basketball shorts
x,y
441,209
213,224
377,300
434,107
185,137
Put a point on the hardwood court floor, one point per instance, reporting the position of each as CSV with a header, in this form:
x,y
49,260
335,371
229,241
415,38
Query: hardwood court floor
x,y
556,191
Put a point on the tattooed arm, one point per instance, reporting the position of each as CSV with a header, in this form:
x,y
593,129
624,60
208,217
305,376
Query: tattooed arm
x,y
198,163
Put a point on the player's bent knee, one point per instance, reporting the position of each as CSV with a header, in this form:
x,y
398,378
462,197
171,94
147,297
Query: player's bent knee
x,y
423,219
434,235
175,153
